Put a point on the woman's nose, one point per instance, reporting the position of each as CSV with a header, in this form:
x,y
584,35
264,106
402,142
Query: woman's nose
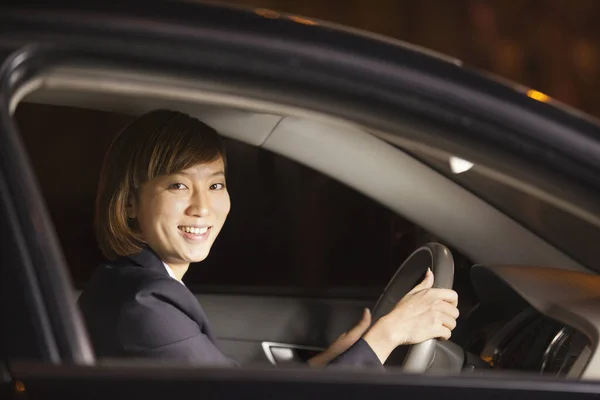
x,y
199,205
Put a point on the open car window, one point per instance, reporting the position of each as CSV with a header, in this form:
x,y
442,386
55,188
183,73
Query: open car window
x,y
291,229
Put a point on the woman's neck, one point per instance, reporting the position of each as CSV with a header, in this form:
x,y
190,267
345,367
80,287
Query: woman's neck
x,y
179,270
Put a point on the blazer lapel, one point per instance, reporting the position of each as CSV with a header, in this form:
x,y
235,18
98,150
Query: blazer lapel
x,y
189,304
148,259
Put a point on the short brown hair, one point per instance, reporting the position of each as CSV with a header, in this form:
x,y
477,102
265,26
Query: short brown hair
x,y
160,142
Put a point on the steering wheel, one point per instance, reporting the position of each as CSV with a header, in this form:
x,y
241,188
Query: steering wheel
x,y
409,274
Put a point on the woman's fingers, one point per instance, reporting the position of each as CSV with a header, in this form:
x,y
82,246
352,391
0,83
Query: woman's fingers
x,y
426,283
359,329
444,316
434,314
446,321
446,308
343,342
443,333
423,313
447,295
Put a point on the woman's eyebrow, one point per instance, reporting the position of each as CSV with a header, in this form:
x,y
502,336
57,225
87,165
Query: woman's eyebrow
x,y
190,174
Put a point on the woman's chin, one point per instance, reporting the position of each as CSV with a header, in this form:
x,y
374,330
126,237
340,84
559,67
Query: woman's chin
x,y
197,256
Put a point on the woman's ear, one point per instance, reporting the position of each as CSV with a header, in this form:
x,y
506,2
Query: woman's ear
x,y
131,207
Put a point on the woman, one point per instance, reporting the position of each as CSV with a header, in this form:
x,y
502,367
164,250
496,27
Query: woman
x,y
162,200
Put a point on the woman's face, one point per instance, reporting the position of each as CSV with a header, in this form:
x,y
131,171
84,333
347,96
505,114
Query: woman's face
x,y
180,215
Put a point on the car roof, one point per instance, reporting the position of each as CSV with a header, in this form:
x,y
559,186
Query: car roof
x,y
284,27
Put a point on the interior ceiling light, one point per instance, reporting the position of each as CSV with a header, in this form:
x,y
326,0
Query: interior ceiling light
x,y
458,165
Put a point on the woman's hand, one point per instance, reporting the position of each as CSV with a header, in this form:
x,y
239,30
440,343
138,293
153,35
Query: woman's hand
x,y
423,313
343,342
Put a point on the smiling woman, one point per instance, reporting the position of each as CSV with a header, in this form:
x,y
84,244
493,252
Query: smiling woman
x,y
138,191
162,201
181,214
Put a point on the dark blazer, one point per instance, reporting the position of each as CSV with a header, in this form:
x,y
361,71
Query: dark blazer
x,y
133,308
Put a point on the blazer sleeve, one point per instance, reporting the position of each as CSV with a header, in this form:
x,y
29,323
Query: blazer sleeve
x,y
360,354
156,323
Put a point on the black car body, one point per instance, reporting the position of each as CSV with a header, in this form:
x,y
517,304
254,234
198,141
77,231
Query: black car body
x,y
427,105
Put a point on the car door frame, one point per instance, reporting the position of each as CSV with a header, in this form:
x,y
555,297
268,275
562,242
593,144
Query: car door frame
x,y
31,249
39,254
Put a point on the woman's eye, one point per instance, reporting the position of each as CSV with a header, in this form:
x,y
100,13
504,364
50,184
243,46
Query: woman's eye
x,y
217,186
177,186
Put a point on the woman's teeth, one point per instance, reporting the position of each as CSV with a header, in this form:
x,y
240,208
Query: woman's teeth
x,y
195,231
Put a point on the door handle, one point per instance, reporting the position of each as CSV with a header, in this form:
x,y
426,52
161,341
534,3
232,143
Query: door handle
x,y
284,353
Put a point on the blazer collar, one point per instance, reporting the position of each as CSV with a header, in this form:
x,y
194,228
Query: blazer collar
x,y
147,258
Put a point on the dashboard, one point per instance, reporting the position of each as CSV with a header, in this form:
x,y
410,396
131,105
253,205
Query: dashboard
x,y
536,343
534,319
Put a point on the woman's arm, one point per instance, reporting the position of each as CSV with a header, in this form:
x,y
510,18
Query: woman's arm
x,y
155,324
344,343
423,313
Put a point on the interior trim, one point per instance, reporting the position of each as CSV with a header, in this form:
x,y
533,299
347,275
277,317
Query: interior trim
x,y
365,164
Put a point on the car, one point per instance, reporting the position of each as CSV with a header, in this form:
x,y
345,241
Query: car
x,y
349,155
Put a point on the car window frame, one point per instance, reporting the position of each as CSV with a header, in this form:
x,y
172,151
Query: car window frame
x,y
11,82
61,336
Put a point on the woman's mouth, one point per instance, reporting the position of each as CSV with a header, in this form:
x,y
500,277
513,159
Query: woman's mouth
x,y
194,232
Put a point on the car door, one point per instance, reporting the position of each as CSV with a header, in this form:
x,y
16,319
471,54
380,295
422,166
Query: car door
x,y
68,375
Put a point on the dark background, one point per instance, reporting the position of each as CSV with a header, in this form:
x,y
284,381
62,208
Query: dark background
x,y
549,45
